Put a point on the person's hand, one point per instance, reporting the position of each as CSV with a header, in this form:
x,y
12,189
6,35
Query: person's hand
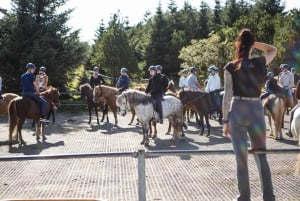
x,y
226,131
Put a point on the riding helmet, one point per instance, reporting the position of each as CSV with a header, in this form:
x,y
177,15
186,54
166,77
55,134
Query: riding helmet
x,y
193,69
43,69
211,68
152,68
159,67
270,74
30,65
124,70
96,68
185,71
282,66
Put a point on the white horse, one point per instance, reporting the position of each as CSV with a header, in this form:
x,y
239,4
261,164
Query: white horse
x,y
144,108
295,125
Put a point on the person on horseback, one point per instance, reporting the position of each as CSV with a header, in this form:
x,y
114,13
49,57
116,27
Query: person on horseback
x,y
244,113
183,81
193,83
271,86
289,133
1,88
123,81
30,89
96,78
213,87
42,79
156,89
286,81
163,77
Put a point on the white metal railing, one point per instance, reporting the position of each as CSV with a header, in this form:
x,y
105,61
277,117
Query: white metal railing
x,y
141,155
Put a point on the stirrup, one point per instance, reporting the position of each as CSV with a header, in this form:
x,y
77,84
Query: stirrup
x,y
44,120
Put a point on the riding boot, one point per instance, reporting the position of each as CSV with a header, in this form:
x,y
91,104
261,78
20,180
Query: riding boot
x,y
43,119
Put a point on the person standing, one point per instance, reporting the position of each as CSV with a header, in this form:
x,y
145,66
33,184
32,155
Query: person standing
x,y
123,81
30,89
213,87
286,81
96,78
193,83
0,87
42,79
183,81
156,89
243,111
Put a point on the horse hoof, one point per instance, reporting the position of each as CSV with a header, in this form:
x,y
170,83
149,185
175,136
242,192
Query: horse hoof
x,y
207,135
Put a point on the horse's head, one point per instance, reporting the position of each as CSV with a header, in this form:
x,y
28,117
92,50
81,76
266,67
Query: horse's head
x,y
85,91
122,103
97,93
52,94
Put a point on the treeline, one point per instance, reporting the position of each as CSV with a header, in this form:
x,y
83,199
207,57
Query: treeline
x,y
177,38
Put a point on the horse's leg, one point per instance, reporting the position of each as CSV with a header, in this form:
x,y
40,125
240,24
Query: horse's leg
x,y
154,127
207,125
90,113
115,115
150,128
270,124
133,115
37,129
19,133
202,123
169,128
96,112
43,131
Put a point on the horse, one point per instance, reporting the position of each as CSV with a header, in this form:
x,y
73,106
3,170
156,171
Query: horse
x,y
200,102
86,93
295,125
21,108
274,108
144,108
6,98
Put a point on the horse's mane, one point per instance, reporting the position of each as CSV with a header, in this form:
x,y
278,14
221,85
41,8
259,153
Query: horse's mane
x,y
108,90
85,85
50,89
136,97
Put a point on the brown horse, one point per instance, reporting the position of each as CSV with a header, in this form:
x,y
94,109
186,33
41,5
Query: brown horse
x,y
86,93
6,98
21,108
274,108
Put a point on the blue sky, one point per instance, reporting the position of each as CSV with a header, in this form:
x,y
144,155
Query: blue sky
x,y
87,14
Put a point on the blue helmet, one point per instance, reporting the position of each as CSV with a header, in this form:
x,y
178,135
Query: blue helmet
x,y
96,68
43,69
216,68
124,70
185,71
30,65
193,69
270,74
152,68
159,67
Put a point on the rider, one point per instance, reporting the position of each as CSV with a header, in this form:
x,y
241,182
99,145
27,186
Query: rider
x,y
286,80
163,77
193,83
271,86
42,79
156,89
213,87
183,81
123,81
96,78
289,133
30,89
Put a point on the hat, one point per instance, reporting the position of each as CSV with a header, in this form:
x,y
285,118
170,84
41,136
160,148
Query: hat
x,y
96,68
282,66
159,67
152,68
124,69
185,71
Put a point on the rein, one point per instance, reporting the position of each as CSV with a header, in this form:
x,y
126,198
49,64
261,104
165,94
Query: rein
x,y
195,99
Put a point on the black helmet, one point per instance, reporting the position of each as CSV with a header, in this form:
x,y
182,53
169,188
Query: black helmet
x,y
152,68
282,66
159,67
43,69
96,68
193,69
30,65
270,74
185,71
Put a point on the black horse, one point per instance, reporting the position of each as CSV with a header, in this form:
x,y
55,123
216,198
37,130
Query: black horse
x,y
86,92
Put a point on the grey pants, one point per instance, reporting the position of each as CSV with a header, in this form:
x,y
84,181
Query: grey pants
x,y
246,120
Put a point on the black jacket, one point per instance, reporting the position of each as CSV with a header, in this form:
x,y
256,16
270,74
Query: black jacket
x,y
155,85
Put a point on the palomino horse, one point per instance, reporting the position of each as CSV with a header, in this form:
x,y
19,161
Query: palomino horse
x,y
274,107
21,108
86,93
144,108
6,98
200,102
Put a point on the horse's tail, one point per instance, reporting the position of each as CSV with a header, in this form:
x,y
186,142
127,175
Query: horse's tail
x,y
12,118
280,111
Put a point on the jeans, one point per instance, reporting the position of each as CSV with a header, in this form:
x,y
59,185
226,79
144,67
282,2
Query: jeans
x,y
40,100
246,120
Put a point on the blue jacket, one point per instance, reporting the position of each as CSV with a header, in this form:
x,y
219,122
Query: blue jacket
x,y
123,83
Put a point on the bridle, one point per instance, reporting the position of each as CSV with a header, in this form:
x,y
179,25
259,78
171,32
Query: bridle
x,y
126,105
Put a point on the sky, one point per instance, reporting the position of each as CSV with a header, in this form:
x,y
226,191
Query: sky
x,y
87,14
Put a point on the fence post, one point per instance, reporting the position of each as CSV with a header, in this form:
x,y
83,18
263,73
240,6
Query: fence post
x,y
141,175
